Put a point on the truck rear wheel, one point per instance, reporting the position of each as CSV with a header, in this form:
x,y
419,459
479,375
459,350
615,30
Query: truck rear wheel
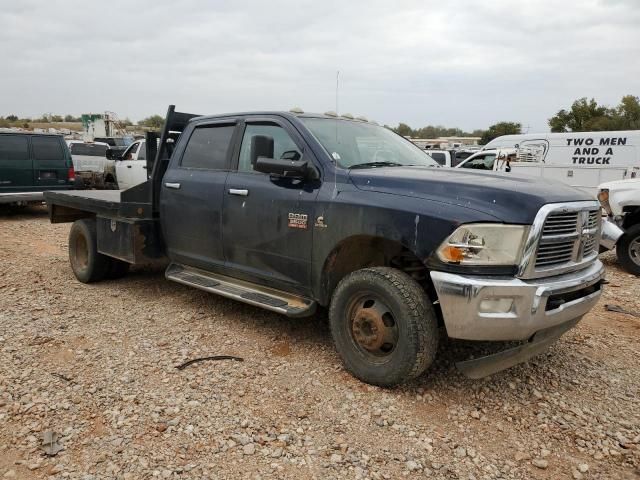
x,y
87,263
628,250
383,326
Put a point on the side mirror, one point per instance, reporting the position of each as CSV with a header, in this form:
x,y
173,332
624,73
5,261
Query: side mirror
x,y
109,154
261,146
282,168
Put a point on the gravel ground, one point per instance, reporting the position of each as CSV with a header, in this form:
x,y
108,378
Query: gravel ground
x,y
96,364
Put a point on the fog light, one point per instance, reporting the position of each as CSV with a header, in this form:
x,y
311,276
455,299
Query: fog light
x,y
496,305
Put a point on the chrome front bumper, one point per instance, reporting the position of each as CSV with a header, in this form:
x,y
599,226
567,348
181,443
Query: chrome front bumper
x,y
503,309
611,233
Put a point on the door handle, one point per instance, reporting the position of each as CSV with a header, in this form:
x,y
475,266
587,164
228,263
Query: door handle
x,y
128,166
175,186
239,191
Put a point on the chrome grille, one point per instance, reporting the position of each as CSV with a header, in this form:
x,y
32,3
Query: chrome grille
x,y
568,238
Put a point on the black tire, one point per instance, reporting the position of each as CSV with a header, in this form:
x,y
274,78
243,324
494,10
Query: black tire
x,y
628,250
87,264
110,183
355,316
117,269
78,183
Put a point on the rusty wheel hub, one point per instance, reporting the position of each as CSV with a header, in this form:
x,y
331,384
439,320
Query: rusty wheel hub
x,y
368,329
373,327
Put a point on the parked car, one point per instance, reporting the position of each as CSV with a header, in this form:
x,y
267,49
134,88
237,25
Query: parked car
x,y
580,159
291,211
91,164
621,201
32,163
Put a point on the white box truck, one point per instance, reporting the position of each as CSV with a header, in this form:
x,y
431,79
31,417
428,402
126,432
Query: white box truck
x,y
581,159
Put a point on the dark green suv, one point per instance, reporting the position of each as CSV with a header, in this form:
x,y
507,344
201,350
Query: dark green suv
x,y
32,163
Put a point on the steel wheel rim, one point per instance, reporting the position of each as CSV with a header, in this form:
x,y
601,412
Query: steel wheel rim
x,y
634,250
372,326
81,252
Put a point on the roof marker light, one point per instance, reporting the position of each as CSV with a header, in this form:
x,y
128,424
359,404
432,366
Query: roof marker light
x,y
347,115
296,110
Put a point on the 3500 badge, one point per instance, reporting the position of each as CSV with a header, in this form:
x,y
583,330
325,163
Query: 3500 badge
x,y
298,220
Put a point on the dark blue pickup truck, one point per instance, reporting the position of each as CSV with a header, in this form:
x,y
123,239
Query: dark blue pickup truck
x,y
291,211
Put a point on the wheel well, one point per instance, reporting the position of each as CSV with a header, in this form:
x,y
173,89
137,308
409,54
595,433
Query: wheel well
x,y
632,216
362,251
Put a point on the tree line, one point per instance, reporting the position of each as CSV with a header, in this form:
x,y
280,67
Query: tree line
x,y
154,121
583,116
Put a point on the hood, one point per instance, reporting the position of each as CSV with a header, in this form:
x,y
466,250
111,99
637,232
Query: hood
x,y
628,184
509,198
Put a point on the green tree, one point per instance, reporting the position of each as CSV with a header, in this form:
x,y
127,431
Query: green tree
x,y
12,118
404,130
627,114
56,118
499,129
154,121
71,118
585,115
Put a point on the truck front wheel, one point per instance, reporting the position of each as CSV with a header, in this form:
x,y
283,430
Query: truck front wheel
x,y
628,250
87,263
383,326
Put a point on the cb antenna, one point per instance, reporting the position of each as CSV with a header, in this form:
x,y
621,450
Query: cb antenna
x,y
337,88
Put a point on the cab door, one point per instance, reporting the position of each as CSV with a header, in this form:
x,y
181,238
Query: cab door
x,y
192,195
268,221
130,169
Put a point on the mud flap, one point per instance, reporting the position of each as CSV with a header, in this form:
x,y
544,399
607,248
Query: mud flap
x,y
541,340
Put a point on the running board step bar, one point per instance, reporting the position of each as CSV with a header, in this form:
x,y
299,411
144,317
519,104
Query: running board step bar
x,y
247,292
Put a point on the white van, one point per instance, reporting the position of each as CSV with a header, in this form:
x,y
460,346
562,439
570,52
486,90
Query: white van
x,y
580,159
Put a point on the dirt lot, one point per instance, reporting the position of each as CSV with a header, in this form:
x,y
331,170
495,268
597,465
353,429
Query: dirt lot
x,y
96,364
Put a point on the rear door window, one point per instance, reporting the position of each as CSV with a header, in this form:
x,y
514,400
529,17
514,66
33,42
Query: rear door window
x,y
47,148
14,147
208,148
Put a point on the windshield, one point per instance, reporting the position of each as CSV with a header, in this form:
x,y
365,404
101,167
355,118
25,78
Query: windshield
x,y
354,144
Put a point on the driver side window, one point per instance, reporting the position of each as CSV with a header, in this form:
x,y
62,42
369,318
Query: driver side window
x,y
130,152
282,143
481,162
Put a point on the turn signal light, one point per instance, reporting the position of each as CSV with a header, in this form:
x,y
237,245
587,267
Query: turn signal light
x,y
452,254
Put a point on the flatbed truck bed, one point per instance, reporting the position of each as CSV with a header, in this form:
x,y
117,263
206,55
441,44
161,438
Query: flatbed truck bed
x,y
66,206
126,230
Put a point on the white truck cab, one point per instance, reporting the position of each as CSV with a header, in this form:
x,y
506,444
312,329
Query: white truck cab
x,y
581,159
131,166
621,200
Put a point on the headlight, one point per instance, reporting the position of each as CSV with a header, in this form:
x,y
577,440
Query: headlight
x,y
603,196
484,244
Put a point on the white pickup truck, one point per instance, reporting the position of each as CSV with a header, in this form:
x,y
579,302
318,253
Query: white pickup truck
x,y
91,164
621,200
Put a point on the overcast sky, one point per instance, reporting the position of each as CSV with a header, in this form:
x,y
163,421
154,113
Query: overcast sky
x,y
453,63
